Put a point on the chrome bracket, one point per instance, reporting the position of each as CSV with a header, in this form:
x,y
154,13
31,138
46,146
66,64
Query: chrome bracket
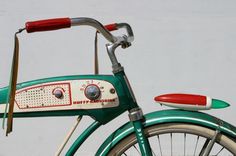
x,y
210,145
135,114
121,41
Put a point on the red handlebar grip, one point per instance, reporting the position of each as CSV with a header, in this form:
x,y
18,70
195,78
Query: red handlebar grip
x,y
49,24
111,27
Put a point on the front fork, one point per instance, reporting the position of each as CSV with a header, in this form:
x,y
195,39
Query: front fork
x,y
135,114
136,117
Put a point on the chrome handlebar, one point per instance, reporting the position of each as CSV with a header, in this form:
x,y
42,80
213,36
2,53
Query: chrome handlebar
x,y
59,23
94,23
124,41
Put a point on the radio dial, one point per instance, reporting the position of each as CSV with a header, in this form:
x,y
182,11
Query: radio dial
x,y
92,92
58,93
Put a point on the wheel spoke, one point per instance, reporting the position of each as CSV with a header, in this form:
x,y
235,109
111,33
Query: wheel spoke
x,y
171,144
136,149
204,147
159,141
220,151
195,149
153,153
210,144
184,143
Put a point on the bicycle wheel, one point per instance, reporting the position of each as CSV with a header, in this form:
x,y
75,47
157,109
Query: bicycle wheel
x,y
177,139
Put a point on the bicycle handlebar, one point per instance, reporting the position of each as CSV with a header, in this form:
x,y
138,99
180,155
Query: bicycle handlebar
x,y
46,25
60,23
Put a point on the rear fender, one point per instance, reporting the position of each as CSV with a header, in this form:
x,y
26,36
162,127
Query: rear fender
x,y
168,116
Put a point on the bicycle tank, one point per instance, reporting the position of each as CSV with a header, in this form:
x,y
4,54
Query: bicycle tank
x,y
99,96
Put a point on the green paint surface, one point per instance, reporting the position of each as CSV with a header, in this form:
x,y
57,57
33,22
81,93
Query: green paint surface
x,y
101,115
168,116
217,104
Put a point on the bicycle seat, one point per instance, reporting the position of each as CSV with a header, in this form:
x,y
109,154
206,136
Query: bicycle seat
x,y
190,101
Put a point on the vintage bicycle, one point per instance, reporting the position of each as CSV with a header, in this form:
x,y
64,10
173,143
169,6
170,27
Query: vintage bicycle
x,y
180,131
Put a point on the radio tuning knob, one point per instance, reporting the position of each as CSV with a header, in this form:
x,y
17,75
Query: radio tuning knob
x,y
92,92
58,93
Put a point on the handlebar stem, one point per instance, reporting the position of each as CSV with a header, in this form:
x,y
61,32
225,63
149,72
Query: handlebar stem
x,y
123,41
116,66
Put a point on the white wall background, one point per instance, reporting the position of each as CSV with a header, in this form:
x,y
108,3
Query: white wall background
x,y
180,46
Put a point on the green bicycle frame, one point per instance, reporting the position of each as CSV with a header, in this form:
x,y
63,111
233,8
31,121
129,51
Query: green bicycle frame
x,y
126,103
121,87
101,116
